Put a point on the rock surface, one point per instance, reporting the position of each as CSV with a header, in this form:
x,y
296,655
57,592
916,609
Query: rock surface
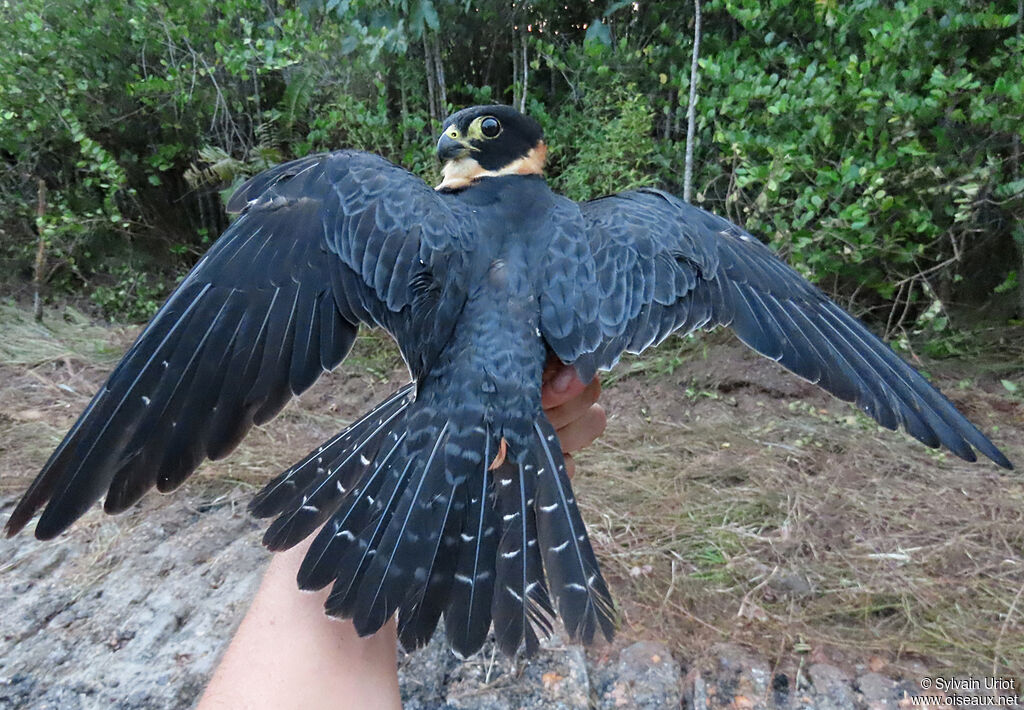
x,y
133,613
129,612
645,676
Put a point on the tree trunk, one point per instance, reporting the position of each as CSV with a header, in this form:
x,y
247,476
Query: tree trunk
x,y
515,69
691,110
666,127
404,99
1019,237
526,70
37,276
490,65
442,90
428,62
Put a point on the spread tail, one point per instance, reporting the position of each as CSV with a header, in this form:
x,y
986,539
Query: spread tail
x,y
425,516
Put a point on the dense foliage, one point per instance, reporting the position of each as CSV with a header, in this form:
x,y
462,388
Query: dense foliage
x,y
877,145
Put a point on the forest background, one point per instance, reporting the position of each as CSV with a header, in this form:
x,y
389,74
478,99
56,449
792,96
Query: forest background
x,y
876,145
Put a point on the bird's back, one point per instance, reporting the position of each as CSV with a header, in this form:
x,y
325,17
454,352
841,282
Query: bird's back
x,y
496,355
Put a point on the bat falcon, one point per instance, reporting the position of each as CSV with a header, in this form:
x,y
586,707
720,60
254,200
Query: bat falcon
x,y
450,498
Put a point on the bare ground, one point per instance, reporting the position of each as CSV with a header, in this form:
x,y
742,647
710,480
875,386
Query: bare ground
x,y
729,502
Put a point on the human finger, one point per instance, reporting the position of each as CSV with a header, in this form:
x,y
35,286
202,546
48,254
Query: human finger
x,y
561,384
582,431
569,411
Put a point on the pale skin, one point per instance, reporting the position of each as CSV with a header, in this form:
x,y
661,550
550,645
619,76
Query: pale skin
x,y
288,654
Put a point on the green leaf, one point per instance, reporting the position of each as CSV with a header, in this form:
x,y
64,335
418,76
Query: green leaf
x,y
430,15
598,32
1008,284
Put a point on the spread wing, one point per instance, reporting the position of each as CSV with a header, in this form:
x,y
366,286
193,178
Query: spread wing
x,y
323,243
657,265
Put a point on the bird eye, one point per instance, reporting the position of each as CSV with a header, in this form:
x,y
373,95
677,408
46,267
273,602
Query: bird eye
x,y
490,127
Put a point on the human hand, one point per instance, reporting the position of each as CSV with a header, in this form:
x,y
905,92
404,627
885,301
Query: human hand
x,y
572,409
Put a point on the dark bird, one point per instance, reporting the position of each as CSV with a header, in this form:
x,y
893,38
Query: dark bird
x,y
451,497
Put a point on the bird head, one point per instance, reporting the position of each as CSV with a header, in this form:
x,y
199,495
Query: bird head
x,y
486,141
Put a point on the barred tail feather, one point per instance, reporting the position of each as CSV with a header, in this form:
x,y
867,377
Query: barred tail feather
x,y
394,567
464,454
307,494
521,605
419,613
281,494
467,617
344,536
584,601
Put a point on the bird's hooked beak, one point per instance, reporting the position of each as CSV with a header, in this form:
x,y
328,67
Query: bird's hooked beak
x,y
458,168
449,148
